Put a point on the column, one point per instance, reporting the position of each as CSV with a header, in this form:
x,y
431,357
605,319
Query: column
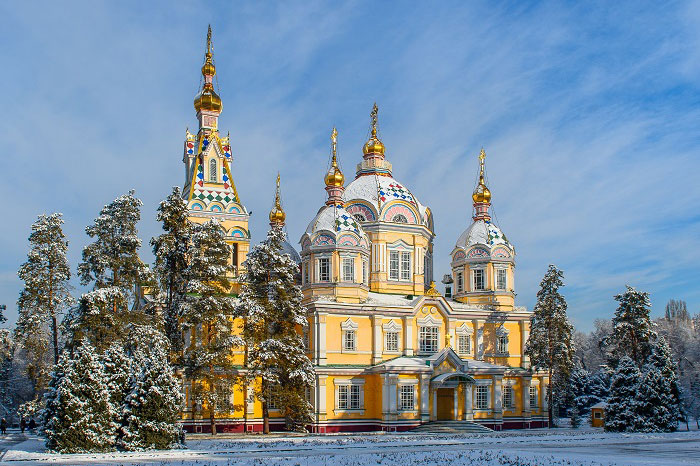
x,y
455,403
433,415
498,396
393,404
321,397
377,343
320,338
408,336
424,398
526,395
524,335
385,395
468,403
479,339
451,331
249,401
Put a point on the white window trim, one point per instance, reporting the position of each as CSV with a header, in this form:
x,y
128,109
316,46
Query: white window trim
x,y
317,278
344,258
429,321
497,269
348,325
407,383
349,382
472,275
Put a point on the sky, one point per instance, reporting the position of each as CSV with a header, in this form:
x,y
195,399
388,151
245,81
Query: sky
x,y
589,113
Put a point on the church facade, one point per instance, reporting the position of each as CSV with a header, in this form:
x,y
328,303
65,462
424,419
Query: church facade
x,y
389,351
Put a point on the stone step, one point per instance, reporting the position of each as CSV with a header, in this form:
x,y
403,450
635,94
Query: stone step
x,y
441,427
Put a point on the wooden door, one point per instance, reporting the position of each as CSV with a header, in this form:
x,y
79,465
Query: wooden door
x,y
445,404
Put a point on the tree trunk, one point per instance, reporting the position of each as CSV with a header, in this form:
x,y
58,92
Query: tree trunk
x,y
54,331
265,408
212,408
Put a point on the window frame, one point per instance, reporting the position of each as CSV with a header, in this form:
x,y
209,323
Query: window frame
x,y
508,401
481,397
482,274
426,333
533,397
501,273
394,265
461,338
405,267
213,174
350,340
406,397
320,268
460,282
394,337
349,396
348,269
502,344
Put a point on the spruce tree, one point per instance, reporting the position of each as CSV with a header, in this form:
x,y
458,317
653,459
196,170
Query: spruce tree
x,y
79,416
150,409
45,295
271,313
621,412
207,315
170,251
658,397
550,345
111,263
633,331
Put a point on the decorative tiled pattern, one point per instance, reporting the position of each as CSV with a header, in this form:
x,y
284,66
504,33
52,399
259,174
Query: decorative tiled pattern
x,y
459,255
495,235
399,209
477,253
208,195
501,253
348,240
389,190
323,240
363,210
345,222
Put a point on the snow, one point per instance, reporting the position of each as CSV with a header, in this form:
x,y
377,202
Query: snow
x,y
481,232
543,447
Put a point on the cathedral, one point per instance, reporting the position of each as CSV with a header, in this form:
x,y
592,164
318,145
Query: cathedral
x,y
390,352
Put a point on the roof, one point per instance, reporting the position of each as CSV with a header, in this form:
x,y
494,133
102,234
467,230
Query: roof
x,y
336,219
379,190
482,232
289,249
600,405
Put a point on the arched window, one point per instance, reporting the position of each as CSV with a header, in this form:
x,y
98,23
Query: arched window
x,y
399,218
212,170
360,218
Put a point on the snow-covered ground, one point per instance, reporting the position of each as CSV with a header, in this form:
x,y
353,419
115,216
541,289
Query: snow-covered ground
x,y
538,447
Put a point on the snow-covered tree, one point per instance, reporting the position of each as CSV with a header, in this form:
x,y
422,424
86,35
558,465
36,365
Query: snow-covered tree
x,y
581,392
79,416
207,316
151,407
46,293
271,314
170,250
633,331
658,397
550,345
111,263
621,412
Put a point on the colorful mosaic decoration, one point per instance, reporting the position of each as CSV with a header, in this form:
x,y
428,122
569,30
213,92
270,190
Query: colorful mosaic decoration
x,y
344,222
390,190
208,194
501,253
477,253
400,209
495,234
459,255
323,240
363,210
348,240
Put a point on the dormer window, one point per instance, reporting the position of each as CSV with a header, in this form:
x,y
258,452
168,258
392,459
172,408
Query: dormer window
x,y
212,171
399,218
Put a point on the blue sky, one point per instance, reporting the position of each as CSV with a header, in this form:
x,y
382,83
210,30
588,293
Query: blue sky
x,y
589,114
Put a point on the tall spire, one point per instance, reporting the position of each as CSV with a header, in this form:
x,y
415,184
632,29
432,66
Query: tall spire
x,y
277,215
207,103
374,146
482,195
373,161
334,178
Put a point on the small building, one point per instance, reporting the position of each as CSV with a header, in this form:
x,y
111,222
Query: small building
x,y
598,414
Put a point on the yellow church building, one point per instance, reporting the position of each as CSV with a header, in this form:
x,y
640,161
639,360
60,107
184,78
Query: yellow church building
x,y
390,353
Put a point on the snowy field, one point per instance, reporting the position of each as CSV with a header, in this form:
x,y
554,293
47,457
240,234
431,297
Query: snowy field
x,y
537,447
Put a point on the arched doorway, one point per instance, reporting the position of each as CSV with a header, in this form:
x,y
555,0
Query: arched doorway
x,y
446,401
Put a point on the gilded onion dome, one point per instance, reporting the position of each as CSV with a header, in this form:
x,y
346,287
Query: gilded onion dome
x,y
208,99
277,215
374,145
334,177
481,192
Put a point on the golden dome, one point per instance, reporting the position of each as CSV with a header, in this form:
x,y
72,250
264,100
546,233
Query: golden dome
x,y
334,177
481,192
374,145
208,68
208,99
277,215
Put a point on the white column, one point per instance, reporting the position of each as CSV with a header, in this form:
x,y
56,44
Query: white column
x,y
498,396
433,415
320,338
468,403
385,395
455,395
393,405
249,401
526,395
425,397
524,335
408,336
377,343
479,339
321,397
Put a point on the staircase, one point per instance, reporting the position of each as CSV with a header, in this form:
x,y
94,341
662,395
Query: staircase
x,y
451,427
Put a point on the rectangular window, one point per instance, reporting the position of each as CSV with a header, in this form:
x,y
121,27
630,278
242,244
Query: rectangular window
x,y
272,399
482,397
324,269
393,265
428,339
502,344
348,269
223,399
464,344
305,266
406,266
597,415
364,272
234,257
391,342
407,398
349,340
507,397
501,279
479,282
533,397
349,397
460,282
306,336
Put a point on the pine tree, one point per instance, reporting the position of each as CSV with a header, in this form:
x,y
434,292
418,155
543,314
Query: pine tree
x,y
633,330
207,314
271,312
79,416
621,412
151,407
658,397
170,250
46,293
550,345
582,398
112,264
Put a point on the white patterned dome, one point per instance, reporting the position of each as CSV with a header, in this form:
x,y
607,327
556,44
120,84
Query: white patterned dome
x,y
334,226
